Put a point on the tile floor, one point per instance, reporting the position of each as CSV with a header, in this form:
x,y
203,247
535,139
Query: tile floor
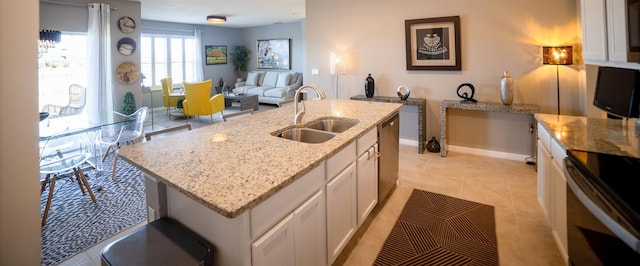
x,y
524,236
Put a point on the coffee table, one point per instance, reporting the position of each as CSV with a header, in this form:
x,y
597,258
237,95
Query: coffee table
x,y
247,101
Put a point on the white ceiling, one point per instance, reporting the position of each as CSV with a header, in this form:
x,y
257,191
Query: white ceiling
x,y
239,13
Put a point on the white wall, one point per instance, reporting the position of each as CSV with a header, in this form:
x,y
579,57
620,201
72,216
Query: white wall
x,y
19,197
496,35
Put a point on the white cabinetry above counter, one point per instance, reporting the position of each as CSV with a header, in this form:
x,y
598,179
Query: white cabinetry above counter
x,y
604,33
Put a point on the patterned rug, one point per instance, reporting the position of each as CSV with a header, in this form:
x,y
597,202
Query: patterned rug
x,y
75,223
435,229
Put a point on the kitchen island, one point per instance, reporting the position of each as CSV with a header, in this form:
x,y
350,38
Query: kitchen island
x,y
216,179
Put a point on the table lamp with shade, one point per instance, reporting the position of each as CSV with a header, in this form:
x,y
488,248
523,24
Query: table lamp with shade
x,y
557,55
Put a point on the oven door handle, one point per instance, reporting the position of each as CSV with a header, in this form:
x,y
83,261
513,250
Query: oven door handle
x,y
616,228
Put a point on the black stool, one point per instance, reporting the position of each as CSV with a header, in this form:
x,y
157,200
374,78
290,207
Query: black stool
x,y
161,242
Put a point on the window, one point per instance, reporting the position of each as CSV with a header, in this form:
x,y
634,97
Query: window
x,y
164,55
61,66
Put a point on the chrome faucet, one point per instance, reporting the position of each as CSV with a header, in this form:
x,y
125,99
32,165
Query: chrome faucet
x,y
299,114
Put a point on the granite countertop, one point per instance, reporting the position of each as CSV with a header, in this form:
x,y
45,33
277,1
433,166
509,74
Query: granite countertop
x,y
236,174
619,137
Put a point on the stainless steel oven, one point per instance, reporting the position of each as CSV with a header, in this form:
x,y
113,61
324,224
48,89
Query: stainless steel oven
x,y
603,200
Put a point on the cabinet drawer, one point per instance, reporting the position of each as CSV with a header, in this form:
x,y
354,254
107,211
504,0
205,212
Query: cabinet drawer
x,y
558,152
544,136
367,140
281,204
341,160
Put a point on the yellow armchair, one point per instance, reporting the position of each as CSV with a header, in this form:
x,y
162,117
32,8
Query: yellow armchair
x,y
167,89
198,102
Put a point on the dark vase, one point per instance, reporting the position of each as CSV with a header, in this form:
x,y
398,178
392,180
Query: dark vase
x,y
369,86
433,145
221,83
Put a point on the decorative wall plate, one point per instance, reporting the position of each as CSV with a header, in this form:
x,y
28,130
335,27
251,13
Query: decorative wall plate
x,y
126,24
127,72
126,46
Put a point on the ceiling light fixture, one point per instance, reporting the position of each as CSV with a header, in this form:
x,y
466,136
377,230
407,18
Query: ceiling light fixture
x,y
216,19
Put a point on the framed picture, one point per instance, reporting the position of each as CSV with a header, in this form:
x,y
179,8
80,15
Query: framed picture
x,y
274,54
433,43
126,46
126,24
215,54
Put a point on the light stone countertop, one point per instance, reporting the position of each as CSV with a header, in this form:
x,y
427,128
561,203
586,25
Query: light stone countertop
x,y
234,175
619,137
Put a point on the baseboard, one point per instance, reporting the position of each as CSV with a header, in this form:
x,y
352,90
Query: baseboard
x,y
409,142
489,153
473,151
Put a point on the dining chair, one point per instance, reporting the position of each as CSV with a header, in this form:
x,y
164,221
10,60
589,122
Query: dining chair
x,y
236,115
148,135
77,101
198,102
125,133
63,155
167,89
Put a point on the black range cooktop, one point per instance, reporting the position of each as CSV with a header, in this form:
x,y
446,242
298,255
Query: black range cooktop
x,y
617,177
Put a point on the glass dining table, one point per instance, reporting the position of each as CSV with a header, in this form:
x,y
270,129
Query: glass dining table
x,y
77,125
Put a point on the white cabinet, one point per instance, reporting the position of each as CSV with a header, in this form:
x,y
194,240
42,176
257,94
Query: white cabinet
x,y
604,31
367,182
559,215
297,239
341,211
367,172
276,247
594,30
544,179
552,188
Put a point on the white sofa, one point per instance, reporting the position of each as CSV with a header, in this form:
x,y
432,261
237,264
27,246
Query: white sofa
x,y
272,87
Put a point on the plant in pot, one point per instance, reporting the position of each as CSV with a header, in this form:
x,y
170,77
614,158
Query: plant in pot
x,y
240,59
128,103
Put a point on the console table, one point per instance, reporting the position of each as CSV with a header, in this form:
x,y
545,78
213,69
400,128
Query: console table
x,y
420,102
479,106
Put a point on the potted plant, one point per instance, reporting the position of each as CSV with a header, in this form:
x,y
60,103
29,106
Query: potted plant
x,y
128,103
240,58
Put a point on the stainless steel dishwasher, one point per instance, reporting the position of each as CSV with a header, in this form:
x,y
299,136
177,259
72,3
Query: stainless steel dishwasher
x,y
388,134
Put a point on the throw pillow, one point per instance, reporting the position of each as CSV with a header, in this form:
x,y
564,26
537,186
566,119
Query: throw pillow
x,y
270,79
252,79
283,80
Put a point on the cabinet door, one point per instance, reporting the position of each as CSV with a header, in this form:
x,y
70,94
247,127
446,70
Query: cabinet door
x,y
367,183
544,179
617,31
276,247
594,30
310,232
559,216
341,211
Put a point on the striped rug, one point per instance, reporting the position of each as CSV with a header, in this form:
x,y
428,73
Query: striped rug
x,y
75,223
435,229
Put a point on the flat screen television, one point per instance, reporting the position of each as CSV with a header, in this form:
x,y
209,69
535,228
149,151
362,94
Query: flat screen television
x,y
618,92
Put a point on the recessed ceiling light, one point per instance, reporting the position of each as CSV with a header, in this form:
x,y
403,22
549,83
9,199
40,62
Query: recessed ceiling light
x,y
216,19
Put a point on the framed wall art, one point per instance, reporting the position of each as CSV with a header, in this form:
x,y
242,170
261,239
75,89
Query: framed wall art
x,y
215,54
274,54
433,43
126,24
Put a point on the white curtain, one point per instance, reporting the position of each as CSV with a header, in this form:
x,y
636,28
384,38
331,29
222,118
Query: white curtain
x,y
199,56
99,91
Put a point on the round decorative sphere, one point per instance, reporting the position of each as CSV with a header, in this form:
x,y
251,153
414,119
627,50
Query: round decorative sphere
x,y
403,92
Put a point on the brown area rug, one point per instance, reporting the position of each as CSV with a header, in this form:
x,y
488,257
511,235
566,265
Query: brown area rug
x,y
435,229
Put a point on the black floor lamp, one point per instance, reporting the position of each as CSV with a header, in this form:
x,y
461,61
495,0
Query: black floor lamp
x,y
557,55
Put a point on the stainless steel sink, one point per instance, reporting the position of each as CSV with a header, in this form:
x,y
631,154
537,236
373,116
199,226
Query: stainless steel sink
x,y
305,135
337,125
